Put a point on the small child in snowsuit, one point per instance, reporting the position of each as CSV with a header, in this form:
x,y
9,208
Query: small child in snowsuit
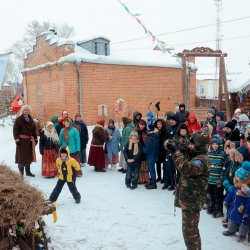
x,y
67,167
216,159
238,204
182,142
133,157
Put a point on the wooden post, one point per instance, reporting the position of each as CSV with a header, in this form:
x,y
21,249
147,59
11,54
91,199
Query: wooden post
x,y
224,79
220,88
184,78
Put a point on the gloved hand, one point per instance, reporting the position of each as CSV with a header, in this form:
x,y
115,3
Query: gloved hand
x,y
171,146
219,183
226,204
242,136
18,143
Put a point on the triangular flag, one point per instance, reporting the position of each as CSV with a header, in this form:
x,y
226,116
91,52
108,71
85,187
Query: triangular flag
x,y
138,20
136,14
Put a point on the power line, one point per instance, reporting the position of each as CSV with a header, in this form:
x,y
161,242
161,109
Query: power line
x,y
177,31
183,43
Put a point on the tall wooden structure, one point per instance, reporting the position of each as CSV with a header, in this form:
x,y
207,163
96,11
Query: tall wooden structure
x,y
206,52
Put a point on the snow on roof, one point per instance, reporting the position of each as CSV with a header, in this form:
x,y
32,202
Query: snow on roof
x,y
209,74
92,38
6,84
240,82
149,58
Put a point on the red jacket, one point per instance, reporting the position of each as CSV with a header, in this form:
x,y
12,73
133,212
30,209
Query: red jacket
x,y
193,126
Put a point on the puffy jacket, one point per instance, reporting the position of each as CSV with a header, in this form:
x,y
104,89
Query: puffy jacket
x,y
128,154
237,198
151,147
125,134
74,140
83,132
193,126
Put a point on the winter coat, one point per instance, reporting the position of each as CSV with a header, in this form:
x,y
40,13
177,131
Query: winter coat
x,y
128,154
233,136
172,130
24,152
231,169
112,146
83,133
99,136
162,134
191,191
212,122
136,122
237,198
183,115
125,134
193,126
46,143
151,147
74,140
68,174
242,128
246,144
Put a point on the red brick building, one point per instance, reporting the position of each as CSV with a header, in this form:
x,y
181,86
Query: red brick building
x,y
61,74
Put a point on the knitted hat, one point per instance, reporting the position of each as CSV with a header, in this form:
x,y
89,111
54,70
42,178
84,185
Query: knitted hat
x,y
78,115
237,111
244,171
221,124
100,122
54,119
215,140
175,117
151,127
243,118
150,114
126,120
211,110
231,125
133,132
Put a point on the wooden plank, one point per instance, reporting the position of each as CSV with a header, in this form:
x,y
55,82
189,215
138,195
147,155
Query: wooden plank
x,y
184,79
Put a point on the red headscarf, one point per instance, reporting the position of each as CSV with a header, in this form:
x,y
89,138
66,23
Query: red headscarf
x,y
100,122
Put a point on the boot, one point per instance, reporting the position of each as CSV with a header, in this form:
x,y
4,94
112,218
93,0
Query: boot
x,y
152,185
147,184
28,173
206,206
218,210
210,208
21,170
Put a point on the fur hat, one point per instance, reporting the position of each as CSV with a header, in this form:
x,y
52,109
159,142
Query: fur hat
x,y
229,144
207,129
25,107
169,113
211,110
231,125
48,124
244,171
133,132
237,111
243,118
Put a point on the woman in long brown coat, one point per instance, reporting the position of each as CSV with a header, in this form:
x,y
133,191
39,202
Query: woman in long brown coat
x,y
24,133
96,153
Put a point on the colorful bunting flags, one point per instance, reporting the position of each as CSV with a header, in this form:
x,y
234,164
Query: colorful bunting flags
x,y
162,45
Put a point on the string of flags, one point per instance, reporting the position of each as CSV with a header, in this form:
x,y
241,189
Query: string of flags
x,y
240,94
228,73
161,44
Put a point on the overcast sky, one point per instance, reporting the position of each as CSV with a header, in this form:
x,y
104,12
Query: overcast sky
x,y
109,18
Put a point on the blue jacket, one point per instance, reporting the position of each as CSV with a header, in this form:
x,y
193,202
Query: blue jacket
x,y
237,198
112,146
83,132
74,140
172,130
128,154
151,147
221,115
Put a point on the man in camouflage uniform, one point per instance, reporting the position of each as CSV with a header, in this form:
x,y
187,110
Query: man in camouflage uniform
x,y
191,189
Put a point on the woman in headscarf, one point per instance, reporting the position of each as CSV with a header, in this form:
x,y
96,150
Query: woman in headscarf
x,y
57,126
48,146
69,136
96,153
61,121
112,146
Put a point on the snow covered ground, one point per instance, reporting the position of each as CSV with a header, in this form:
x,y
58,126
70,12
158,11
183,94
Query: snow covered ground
x,y
112,217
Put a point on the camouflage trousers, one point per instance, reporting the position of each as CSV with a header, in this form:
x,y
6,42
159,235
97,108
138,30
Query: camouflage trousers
x,y
190,230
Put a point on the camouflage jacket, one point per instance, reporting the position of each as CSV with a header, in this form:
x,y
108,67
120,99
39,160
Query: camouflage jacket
x,y
182,143
191,190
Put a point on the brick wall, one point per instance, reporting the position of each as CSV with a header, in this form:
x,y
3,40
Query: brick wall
x,y
51,89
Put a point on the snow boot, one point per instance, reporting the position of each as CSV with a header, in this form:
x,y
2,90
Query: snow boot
x,y
241,238
227,233
78,200
28,173
218,210
210,208
21,170
152,185
206,206
147,184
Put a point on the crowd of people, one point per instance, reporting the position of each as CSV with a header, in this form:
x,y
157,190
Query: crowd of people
x,y
205,163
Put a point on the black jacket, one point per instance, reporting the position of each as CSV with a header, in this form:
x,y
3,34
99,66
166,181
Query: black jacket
x,y
46,143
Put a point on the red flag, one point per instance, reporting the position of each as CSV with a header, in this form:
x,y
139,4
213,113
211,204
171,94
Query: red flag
x,y
17,104
153,38
138,20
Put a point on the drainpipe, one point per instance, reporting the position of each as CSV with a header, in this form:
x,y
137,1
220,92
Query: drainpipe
x,y
78,63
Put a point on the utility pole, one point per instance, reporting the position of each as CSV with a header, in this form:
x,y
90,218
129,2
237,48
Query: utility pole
x,y
218,4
